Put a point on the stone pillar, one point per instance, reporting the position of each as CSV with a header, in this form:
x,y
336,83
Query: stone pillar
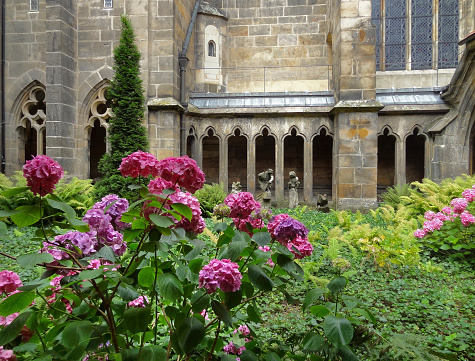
x,y
279,180
308,171
400,163
223,162
251,166
61,82
355,157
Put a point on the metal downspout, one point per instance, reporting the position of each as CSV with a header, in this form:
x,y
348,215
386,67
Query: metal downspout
x,y
183,63
2,84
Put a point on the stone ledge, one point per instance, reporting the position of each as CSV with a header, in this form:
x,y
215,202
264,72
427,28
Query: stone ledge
x,y
353,106
165,103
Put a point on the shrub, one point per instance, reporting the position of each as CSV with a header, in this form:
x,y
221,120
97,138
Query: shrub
x,y
209,196
393,195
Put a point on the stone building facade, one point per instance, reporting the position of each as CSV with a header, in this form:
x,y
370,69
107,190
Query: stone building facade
x,y
354,96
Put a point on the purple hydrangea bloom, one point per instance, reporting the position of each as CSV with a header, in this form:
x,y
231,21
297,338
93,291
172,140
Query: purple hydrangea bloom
x,y
289,229
222,274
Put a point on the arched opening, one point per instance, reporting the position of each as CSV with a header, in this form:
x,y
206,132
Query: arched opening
x,y
237,160
30,138
97,149
211,48
191,145
415,155
265,153
210,146
386,160
322,163
293,157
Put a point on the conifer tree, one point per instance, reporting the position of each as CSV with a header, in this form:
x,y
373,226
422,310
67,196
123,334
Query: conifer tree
x,y
126,133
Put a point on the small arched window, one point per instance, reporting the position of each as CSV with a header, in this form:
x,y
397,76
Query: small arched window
x,y
212,48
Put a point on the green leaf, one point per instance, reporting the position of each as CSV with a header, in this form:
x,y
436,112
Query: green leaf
x,y
311,297
170,286
233,250
221,311
146,277
26,347
184,210
232,299
200,301
195,265
338,330
227,357
10,332
262,238
248,356
366,314
312,341
66,208
253,314
272,356
16,303
28,215
127,293
286,263
76,333
136,319
5,214
105,252
347,354
130,234
190,334
14,191
220,227
319,311
30,260
3,230
259,278
152,353
337,284
91,274
161,221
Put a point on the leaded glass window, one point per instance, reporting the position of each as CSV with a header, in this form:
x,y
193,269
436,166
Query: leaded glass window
x,y
34,6
448,33
107,4
421,34
376,20
395,31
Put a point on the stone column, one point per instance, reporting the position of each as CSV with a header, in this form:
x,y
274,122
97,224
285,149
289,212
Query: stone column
x,y
355,157
279,180
308,171
400,163
251,166
61,82
223,162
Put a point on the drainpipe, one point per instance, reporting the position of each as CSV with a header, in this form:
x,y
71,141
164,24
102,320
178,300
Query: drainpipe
x,y
183,63
2,83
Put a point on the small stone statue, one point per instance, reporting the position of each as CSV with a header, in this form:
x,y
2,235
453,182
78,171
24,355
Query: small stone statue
x,y
265,181
322,203
293,194
236,187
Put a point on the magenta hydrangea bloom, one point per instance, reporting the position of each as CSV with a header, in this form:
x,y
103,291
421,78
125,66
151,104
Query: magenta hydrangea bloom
x,y
458,205
7,355
182,171
42,174
139,164
243,329
9,281
141,301
289,229
431,226
302,245
233,350
275,221
469,194
222,274
241,224
241,204
467,218
429,215
157,185
420,233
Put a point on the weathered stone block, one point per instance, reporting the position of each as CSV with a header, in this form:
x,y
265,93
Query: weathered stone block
x,y
259,30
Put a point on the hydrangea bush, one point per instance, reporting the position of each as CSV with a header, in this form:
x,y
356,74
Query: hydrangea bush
x,y
133,282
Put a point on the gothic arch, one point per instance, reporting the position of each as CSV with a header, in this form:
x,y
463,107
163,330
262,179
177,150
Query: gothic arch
x,y
416,154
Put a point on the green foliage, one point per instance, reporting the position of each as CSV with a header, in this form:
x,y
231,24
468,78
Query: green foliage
x,y
393,195
209,196
126,133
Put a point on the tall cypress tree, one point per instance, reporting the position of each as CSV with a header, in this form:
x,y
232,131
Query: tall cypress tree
x,y
126,132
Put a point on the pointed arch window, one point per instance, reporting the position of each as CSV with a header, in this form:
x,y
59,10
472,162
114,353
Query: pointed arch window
x,y
32,123
212,48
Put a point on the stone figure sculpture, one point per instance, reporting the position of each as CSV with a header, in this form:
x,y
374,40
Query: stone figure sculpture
x,y
236,187
265,181
293,194
322,203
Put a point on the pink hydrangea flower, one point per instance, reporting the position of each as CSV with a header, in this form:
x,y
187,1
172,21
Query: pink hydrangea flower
x,y
420,233
42,174
447,210
431,226
157,185
458,205
275,221
243,329
233,350
467,218
7,355
56,283
241,224
182,171
429,215
442,216
5,321
469,194
241,204
141,301
139,164
302,245
222,274
9,282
